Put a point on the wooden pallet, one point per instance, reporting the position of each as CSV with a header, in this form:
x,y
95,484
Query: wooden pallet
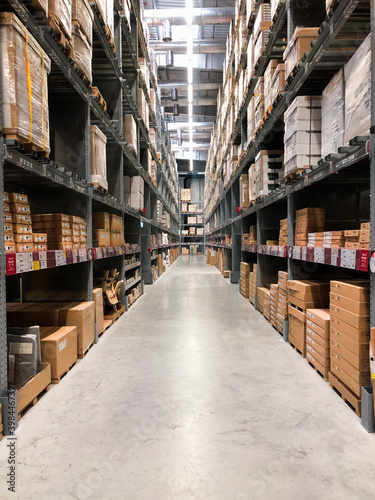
x,y
110,39
81,356
23,412
83,77
58,380
99,188
107,324
292,175
114,315
353,401
297,349
319,372
28,147
62,38
296,307
97,94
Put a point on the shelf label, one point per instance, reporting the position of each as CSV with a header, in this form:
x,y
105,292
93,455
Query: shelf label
x,y
36,265
11,264
60,258
335,254
75,256
304,253
319,255
347,253
297,253
82,254
347,262
363,260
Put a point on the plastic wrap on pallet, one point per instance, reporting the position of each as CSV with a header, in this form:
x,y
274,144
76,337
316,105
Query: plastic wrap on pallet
x,y
260,44
250,121
130,132
110,21
274,7
82,52
62,11
299,44
333,114
24,68
82,16
305,113
268,172
278,82
358,92
268,78
98,157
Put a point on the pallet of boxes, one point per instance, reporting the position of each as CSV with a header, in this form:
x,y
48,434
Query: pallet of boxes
x,y
350,337
303,295
245,269
317,340
62,232
263,304
282,301
253,284
274,296
308,220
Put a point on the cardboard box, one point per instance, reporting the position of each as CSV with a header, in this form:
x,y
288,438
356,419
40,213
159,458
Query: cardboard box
x,y
358,322
102,237
18,198
322,347
361,308
81,315
358,335
34,387
19,208
101,220
359,345
351,377
23,238
316,356
356,290
361,363
319,317
8,228
50,218
59,348
24,247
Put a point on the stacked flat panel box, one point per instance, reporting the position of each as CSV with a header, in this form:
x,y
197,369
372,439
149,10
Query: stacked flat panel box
x,y
245,278
317,340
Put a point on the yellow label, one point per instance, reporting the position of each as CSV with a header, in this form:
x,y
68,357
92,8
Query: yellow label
x,y
373,376
36,265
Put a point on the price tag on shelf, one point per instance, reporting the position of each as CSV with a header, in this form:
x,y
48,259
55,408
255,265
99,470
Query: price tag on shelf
x,y
363,260
347,262
75,256
304,253
11,264
60,258
297,253
335,253
319,255
82,254
347,253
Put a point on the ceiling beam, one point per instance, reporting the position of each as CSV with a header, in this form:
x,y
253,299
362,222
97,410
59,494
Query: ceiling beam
x,y
197,101
195,125
202,16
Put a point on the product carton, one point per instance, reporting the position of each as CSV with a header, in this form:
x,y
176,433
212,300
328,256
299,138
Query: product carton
x,y
59,348
81,315
101,220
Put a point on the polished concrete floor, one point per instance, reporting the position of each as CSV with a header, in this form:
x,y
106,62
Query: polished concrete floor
x,y
192,395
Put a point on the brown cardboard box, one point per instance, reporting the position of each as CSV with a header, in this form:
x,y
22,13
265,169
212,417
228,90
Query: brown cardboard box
x,y
54,224
301,316
322,359
34,387
24,247
361,308
58,346
102,237
323,333
23,228
315,295
351,377
34,313
101,220
99,308
60,246
357,290
8,228
81,315
18,198
50,217
9,238
316,342
359,348
24,219
319,317
358,362
359,322
23,238
57,231
339,326
40,238
40,247
19,208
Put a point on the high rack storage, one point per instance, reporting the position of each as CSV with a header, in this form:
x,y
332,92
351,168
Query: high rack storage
x,y
192,239
123,80
342,182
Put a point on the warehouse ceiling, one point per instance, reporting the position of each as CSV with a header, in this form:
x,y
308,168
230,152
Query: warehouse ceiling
x,y
209,30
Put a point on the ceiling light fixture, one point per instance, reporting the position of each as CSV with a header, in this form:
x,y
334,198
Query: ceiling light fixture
x,y
169,59
176,111
167,31
174,95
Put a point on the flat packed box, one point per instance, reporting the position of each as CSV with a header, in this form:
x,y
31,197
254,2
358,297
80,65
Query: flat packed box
x,y
101,220
34,387
81,315
102,237
59,348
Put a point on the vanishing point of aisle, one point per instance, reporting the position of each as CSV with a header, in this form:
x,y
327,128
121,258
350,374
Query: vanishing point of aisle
x,y
192,395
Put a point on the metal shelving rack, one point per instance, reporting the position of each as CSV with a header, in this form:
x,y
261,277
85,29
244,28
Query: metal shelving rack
x,y
192,240
342,183
63,183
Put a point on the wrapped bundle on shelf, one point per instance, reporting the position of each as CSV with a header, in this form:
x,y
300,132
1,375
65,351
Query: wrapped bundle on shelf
x,y
250,121
134,192
333,115
263,19
82,52
24,69
264,297
317,340
130,132
250,58
98,158
244,190
260,44
60,16
82,17
302,138
268,173
258,104
358,92
143,107
333,239
283,235
278,82
308,220
299,44
106,12
268,78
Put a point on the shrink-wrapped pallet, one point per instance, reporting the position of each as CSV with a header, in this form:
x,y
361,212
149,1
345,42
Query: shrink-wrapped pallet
x,y
98,157
333,114
358,92
250,121
82,52
61,12
299,44
268,172
24,69
268,77
275,4
278,82
130,132
106,11
82,16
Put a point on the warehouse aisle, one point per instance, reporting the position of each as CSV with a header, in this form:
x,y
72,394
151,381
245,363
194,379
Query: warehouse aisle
x,y
192,395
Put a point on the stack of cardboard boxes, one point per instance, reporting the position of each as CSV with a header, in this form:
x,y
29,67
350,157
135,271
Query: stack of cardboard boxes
x,y
268,172
317,340
253,280
250,238
303,295
244,191
299,44
350,336
264,298
134,192
108,230
18,233
352,238
283,235
308,220
81,30
185,195
245,269
98,158
64,232
274,297
282,301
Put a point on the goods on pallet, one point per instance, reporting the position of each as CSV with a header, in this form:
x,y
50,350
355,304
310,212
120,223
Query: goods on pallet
x,y
98,158
130,132
308,220
185,195
250,58
185,251
59,348
134,192
60,12
258,104
277,83
318,340
143,107
283,234
333,115
268,78
82,52
260,43
253,284
302,138
268,172
64,232
245,269
250,121
282,301
303,295
244,190
82,17
299,44
24,68
200,231
358,92
192,220
250,238
274,297
106,10
263,304
350,335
